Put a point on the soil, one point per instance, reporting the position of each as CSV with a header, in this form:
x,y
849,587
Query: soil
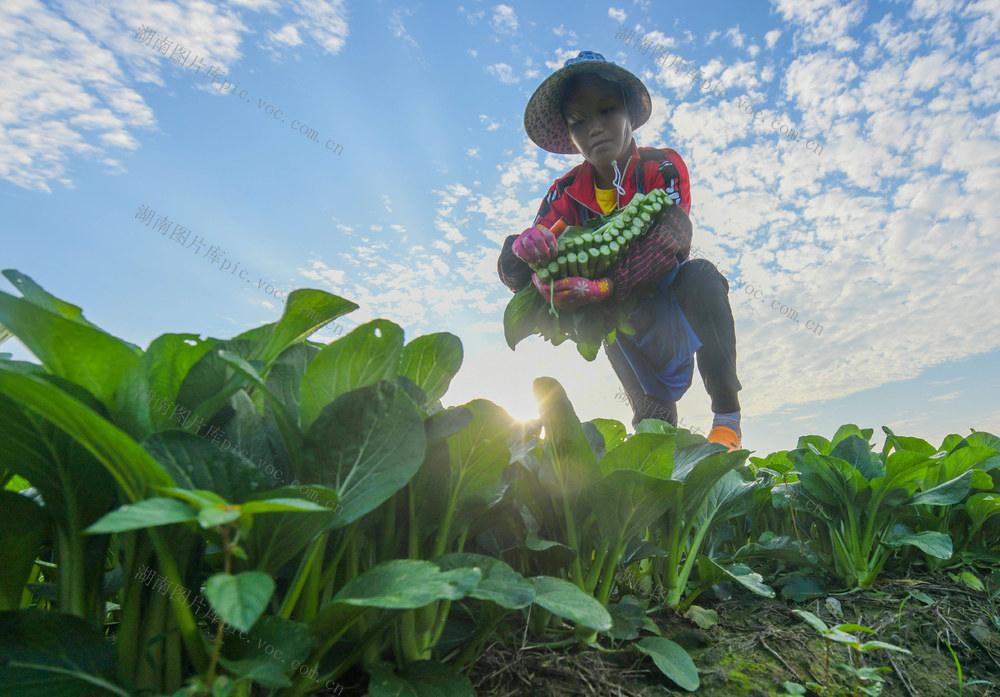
x,y
758,644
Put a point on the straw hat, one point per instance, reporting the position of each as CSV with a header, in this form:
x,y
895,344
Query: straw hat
x,y
543,119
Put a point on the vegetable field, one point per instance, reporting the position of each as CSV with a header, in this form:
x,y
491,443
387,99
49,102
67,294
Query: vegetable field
x,y
268,515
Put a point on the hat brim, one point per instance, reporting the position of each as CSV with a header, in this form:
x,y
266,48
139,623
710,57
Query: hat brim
x,y
543,119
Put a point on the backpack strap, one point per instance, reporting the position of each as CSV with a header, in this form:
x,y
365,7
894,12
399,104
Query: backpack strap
x,y
650,155
640,176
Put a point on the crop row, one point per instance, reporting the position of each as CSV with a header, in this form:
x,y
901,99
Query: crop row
x,y
415,534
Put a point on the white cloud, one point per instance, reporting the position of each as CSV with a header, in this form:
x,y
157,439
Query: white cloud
x,y
562,55
65,88
617,14
473,17
446,220
526,169
490,124
258,5
504,19
503,72
822,22
287,35
886,240
473,152
320,272
986,23
119,139
862,225
388,203
568,35
735,36
325,21
397,27
401,231
66,77
928,9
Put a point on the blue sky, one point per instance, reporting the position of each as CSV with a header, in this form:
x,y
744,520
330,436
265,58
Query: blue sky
x,y
883,229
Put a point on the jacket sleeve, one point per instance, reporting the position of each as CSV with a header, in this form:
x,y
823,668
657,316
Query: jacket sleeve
x,y
514,273
666,170
654,255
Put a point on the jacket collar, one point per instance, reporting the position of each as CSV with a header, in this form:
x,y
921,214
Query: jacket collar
x,y
582,188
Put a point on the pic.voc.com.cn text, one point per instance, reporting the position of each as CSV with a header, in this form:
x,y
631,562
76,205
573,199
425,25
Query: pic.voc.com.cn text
x,y
754,292
181,55
182,416
198,603
180,234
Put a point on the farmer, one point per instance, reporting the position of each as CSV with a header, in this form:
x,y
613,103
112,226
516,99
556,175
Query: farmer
x,y
591,106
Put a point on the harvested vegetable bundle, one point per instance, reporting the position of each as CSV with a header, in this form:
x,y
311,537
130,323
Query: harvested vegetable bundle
x,y
590,251
602,246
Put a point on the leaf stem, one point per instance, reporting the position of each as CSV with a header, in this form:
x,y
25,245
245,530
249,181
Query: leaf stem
x,y
609,573
292,596
217,648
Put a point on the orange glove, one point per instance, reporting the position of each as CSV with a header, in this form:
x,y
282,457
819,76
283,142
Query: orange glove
x,y
574,291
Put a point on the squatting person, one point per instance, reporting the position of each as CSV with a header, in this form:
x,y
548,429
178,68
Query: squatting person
x,y
591,106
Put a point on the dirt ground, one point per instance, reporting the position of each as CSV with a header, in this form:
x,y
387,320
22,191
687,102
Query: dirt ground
x,y
758,644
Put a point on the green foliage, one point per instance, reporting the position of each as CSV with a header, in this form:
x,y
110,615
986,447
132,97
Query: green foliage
x,y
240,599
419,679
855,499
866,680
49,653
672,660
282,502
956,496
23,527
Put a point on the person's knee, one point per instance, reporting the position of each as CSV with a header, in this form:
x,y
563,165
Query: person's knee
x,y
700,267
701,273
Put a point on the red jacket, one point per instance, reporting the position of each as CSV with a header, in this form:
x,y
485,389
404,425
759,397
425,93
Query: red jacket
x,y
654,255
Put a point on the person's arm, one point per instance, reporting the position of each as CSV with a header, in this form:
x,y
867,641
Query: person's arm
x,y
657,253
514,272
654,255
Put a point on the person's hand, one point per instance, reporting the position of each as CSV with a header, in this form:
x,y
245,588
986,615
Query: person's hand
x,y
574,291
535,245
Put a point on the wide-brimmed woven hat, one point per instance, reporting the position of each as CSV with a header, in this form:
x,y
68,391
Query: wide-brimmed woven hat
x,y
543,119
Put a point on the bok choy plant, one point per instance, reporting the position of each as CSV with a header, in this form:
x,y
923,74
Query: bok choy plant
x,y
855,501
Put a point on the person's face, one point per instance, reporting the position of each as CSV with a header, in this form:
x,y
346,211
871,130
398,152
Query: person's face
x,y
598,122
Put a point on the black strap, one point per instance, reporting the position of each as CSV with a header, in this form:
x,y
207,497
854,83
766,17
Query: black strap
x,y
640,178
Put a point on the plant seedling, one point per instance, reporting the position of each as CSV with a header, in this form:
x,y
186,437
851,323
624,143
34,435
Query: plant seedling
x,y
958,666
842,635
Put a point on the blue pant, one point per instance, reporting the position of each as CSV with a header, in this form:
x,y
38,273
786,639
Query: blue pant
x,y
703,296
